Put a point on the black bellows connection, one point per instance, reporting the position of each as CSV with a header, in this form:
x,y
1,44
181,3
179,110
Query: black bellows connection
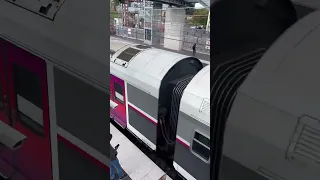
x,y
235,23
241,31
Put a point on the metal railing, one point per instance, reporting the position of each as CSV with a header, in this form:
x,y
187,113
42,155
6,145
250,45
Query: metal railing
x,y
190,37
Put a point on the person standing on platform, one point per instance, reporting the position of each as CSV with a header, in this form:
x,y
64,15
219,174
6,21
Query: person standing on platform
x,y
194,49
115,164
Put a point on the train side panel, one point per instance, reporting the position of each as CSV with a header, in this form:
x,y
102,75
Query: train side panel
x,y
190,150
82,111
136,110
117,95
270,135
75,121
28,92
82,120
74,164
143,111
28,108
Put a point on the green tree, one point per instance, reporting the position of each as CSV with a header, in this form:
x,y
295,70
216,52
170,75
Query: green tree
x,y
114,15
199,17
115,3
113,9
190,11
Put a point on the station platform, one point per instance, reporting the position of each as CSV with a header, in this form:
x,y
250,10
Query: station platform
x,y
133,161
205,58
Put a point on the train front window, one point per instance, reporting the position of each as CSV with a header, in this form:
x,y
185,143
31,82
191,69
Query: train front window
x,y
29,99
119,92
201,146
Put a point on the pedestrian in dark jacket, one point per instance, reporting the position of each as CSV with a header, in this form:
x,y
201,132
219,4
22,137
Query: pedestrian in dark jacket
x,y
115,164
194,49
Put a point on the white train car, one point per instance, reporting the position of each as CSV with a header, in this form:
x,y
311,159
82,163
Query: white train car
x,y
193,131
147,84
267,102
54,89
276,110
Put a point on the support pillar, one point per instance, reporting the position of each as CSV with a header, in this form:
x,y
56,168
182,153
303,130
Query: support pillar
x,y
156,23
152,22
174,26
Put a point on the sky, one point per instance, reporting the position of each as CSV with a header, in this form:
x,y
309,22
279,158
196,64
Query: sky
x,y
198,5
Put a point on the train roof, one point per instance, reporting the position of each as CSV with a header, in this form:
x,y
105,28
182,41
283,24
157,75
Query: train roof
x,y
116,44
287,76
195,100
144,67
72,35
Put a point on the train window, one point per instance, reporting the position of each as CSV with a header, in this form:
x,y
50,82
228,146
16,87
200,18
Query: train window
x,y
119,92
29,99
201,146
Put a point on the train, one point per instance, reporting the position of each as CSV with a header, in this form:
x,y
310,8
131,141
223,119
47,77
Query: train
x,y
54,89
281,130
265,96
163,98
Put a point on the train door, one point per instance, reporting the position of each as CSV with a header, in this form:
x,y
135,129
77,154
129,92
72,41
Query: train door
x,y
5,154
112,98
3,88
28,94
118,96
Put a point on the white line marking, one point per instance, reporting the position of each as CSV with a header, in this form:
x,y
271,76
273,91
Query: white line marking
x,y
144,113
183,172
183,140
83,146
205,61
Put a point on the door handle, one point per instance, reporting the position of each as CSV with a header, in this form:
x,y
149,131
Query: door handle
x,y
113,104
